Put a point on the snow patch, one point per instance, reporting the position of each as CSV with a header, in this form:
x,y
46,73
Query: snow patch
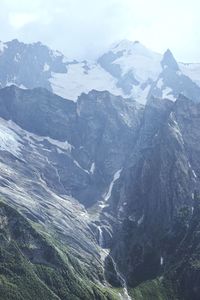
x,y
192,71
9,83
126,118
55,53
176,130
62,145
168,93
139,222
179,73
160,83
92,168
66,146
76,81
194,174
2,47
79,166
161,260
17,57
21,86
131,218
140,94
46,67
9,140
144,63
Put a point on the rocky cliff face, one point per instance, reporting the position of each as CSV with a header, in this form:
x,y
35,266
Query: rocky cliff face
x,y
17,59
91,138
56,154
157,184
127,68
113,182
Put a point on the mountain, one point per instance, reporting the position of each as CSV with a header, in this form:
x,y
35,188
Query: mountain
x,y
172,82
154,200
99,195
57,160
51,70
32,267
109,186
127,68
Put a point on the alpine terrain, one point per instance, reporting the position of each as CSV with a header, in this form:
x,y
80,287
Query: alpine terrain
x,y
99,175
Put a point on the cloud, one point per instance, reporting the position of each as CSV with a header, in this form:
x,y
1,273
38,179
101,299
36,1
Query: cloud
x,y
168,24
84,29
18,20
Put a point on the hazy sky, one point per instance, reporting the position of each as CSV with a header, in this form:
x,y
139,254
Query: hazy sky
x,y
84,28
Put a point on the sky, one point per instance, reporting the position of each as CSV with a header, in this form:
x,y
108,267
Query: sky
x,y
84,29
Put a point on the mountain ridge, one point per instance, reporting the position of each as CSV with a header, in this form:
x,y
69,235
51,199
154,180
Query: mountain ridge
x,y
108,184
128,69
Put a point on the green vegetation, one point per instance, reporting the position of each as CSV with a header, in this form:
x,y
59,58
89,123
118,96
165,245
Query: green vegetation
x,y
153,290
31,267
35,265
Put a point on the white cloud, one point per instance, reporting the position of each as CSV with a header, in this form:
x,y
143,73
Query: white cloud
x,y
18,20
85,28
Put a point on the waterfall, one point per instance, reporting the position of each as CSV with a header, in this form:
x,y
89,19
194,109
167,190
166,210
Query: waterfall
x,y
107,195
100,240
115,177
124,295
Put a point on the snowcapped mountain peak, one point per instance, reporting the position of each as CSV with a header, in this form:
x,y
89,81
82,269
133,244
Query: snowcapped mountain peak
x,y
16,45
133,66
169,61
124,44
127,68
18,58
128,47
134,56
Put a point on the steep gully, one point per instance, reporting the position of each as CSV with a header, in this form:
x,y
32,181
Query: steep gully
x,y
123,295
163,138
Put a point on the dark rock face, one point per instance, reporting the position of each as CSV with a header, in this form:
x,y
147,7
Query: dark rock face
x,y
157,183
39,111
182,252
171,82
57,150
135,169
124,81
99,128
106,61
169,61
18,59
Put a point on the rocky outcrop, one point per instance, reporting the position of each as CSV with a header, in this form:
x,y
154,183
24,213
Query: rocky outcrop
x,y
106,172
56,154
96,134
157,184
127,68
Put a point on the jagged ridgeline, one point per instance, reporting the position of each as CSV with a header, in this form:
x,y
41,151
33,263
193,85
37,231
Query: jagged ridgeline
x,y
100,195
127,68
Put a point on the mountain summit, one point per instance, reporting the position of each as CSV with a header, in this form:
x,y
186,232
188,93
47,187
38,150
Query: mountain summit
x,y
99,196
168,61
127,68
